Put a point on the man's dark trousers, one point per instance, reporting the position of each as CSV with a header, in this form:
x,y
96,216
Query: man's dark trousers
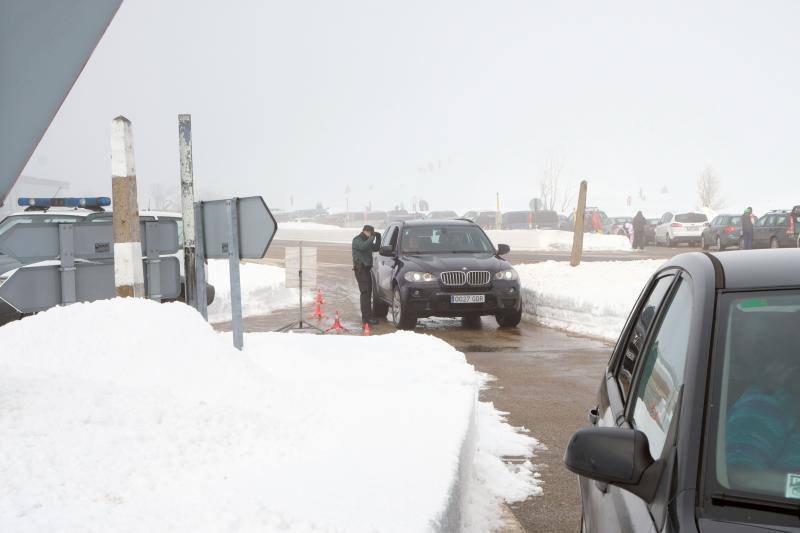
x,y
364,279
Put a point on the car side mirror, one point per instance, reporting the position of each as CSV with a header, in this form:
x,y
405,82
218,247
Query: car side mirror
x,y
386,251
613,455
503,249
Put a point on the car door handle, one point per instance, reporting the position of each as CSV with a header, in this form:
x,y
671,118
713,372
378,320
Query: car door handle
x,y
594,415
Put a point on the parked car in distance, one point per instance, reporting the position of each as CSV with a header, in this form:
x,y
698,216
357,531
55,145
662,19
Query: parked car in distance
x,y
541,219
397,214
545,219
679,228
441,215
443,268
616,225
650,230
587,219
485,219
776,229
695,426
725,231
564,223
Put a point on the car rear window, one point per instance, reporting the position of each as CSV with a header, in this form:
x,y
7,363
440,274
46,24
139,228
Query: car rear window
x,y
691,218
757,390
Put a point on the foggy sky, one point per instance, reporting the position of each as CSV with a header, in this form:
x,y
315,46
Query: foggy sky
x,y
449,100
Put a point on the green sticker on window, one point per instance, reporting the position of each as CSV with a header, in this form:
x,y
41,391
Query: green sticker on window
x,y
753,303
793,486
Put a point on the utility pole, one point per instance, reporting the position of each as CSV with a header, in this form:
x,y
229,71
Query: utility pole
x,y
498,218
128,272
577,236
187,209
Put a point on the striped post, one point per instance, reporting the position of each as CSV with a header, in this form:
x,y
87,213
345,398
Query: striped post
x,y
128,271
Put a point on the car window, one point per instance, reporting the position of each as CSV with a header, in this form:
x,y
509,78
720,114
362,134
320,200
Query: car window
x,y
393,231
445,240
637,336
735,221
661,375
780,220
717,221
691,218
762,221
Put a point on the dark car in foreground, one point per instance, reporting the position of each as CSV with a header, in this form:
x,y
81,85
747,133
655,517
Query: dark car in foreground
x,y
776,229
446,268
725,231
697,421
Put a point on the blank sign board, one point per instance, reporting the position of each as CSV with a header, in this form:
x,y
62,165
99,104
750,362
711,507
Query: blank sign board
x,y
38,287
257,226
293,266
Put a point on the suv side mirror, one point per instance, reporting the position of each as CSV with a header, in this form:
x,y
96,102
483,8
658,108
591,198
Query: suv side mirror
x,y
386,251
613,455
503,249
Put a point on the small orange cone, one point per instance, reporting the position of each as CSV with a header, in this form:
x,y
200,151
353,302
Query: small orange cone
x,y
320,299
366,329
317,311
337,325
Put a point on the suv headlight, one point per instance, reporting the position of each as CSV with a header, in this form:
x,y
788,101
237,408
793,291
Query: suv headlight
x,y
507,275
4,277
419,277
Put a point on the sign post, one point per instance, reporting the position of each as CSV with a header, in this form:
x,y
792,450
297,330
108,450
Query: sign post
x,y
232,229
187,206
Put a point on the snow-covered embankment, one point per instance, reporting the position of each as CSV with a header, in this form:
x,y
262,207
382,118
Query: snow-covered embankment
x,y
128,415
592,299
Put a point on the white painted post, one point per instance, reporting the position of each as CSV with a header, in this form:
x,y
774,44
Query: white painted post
x,y
187,208
128,271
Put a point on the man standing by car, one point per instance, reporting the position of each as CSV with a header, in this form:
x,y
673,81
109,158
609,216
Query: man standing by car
x,y
364,244
747,229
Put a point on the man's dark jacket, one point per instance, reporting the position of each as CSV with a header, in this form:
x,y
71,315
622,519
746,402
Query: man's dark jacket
x,y
363,247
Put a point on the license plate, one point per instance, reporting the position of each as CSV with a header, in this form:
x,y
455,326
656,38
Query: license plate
x,y
467,298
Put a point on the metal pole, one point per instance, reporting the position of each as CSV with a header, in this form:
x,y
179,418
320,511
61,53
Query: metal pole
x,y
233,262
200,262
187,207
300,276
577,236
128,273
66,244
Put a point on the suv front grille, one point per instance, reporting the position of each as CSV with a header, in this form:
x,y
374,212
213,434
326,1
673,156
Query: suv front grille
x,y
454,278
478,277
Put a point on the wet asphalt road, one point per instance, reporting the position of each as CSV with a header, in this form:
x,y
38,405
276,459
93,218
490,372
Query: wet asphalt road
x,y
545,379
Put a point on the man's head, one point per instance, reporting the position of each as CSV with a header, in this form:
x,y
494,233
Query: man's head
x,y
748,211
368,230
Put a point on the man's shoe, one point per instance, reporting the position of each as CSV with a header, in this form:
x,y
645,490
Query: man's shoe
x,y
373,322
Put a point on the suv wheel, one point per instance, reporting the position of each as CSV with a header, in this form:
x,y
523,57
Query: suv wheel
x,y
508,319
379,308
668,241
718,244
401,318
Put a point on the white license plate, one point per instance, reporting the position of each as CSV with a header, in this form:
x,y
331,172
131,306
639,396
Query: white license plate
x,y
467,298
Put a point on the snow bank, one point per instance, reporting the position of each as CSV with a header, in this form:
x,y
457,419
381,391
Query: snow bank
x,y
263,290
127,415
593,298
523,239
557,240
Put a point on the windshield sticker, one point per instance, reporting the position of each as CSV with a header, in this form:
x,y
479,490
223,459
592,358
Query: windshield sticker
x,y
793,486
753,303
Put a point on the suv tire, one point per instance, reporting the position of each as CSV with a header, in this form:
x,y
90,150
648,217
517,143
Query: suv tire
x,y
668,241
509,319
401,318
379,308
719,246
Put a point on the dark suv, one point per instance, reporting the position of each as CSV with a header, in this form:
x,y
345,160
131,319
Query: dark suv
x,y
443,268
776,229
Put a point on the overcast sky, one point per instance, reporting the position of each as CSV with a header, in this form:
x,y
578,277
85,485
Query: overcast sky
x,y
449,100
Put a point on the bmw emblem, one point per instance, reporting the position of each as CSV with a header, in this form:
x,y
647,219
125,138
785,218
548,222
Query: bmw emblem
x,y
463,268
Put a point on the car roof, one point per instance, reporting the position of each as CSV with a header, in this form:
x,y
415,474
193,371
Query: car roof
x,y
747,269
440,222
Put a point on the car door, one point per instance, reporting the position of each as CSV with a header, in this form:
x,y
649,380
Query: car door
x,y
605,509
385,265
761,232
663,227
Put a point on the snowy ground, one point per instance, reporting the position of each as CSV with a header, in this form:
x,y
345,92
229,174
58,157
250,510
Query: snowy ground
x,y
593,298
528,240
263,290
128,415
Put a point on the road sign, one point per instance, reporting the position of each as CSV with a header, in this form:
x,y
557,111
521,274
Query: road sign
x,y
45,46
256,224
94,239
38,287
296,262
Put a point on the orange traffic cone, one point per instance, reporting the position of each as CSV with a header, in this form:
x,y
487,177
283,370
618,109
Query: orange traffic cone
x,y
318,314
366,329
337,325
320,299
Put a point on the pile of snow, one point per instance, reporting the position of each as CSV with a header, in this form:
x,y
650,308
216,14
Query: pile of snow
x,y
557,240
128,415
592,299
263,290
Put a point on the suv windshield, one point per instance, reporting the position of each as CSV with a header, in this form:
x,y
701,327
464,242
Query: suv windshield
x,y
445,240
754,435
689,218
